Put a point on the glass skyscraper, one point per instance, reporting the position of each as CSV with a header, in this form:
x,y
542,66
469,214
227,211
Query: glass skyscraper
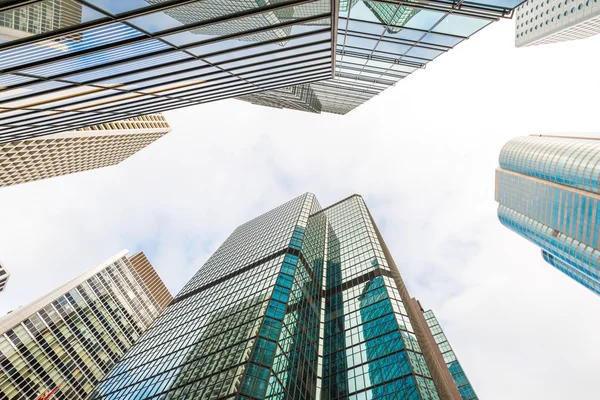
x,y
67,340
548,191
67,64
302,302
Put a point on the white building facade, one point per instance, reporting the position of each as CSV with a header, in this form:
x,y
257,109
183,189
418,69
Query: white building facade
x,y
550,21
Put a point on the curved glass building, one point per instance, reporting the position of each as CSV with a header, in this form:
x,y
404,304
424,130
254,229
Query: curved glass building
x,y
549,192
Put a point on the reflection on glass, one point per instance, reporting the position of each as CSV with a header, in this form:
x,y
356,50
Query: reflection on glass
x,y
386,360
213,9
41,17
390,14
335,363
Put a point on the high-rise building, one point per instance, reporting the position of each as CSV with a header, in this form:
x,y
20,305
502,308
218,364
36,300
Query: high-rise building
x,y
67,340
4,275
140,57
551,21
298,303
79,150
548,191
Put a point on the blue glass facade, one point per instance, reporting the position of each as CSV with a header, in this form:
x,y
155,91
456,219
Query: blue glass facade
x,y
561,251
299,303
548,190
569,162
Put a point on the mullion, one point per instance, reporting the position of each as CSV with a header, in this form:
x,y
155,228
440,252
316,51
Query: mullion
x,y
110,18
148,55
120,116
189,45
165,32
177,80
454,6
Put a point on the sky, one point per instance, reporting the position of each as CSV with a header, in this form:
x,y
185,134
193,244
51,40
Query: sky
x,y
423,156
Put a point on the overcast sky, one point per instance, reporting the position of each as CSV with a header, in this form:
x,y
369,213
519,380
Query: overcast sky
x,y
423,156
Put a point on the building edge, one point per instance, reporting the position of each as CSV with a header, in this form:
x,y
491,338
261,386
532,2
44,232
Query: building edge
x,y
151,279
438,372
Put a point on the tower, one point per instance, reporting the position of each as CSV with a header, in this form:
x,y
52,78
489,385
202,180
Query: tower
x,y
302,302
548,191
67,340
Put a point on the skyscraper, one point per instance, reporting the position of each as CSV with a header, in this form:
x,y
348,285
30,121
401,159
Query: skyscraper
x,y
70,338
4,275
549,193
551,21
135,58
79,150
298,303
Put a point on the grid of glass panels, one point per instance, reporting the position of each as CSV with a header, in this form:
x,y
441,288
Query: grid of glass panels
x,y
295,364
574,273
574,213
565,253
298,303
370,349
548,189
238,327
66,64
382,42
458,375
566,161
73,341
257,239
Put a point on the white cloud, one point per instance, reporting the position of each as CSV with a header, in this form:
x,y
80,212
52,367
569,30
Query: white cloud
x,y
422,154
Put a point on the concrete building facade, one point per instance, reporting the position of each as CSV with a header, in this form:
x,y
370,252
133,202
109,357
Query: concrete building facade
x,y
67,340
80,150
